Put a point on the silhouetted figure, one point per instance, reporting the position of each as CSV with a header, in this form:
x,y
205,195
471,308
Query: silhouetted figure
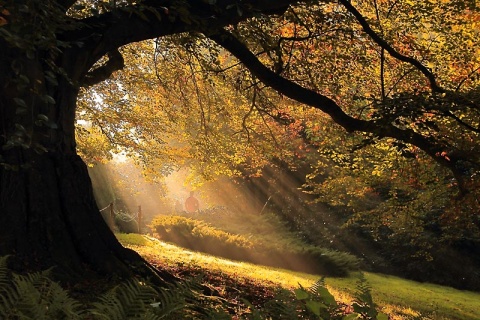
x,y
191,204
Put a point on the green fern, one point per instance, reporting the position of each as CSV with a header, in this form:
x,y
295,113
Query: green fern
x,y
319,301
8,294
320,292
255,314
34,296
135,300
283,306
130,300
172,301
193,303
363,302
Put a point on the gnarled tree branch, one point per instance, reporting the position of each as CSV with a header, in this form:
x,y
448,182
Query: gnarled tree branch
x,y
156,18
433,148
115,62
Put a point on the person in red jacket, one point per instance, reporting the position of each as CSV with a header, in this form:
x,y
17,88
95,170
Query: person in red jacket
x,y
191,204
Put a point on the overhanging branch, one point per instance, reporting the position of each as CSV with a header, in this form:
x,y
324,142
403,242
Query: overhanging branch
x,y
434,149
285,86
156,18
150,19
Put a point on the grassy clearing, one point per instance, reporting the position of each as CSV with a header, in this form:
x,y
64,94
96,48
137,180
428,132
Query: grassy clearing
x,y
401,299
405,297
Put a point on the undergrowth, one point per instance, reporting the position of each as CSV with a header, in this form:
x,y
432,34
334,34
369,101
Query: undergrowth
x,y
36,296
201,236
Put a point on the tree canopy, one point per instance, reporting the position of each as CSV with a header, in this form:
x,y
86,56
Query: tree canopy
x,y
386,72
230,85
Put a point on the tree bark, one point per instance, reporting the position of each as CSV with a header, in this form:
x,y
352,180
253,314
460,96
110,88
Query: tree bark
x,y
48,214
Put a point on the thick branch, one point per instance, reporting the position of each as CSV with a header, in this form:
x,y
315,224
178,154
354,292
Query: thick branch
x,y
394,53
115,62
303,95
285,86
151,19
156,18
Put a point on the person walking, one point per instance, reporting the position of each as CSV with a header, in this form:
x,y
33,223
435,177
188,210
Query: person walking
x,y
191,204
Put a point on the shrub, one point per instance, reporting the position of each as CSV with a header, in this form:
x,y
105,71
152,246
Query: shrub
x,y
200,236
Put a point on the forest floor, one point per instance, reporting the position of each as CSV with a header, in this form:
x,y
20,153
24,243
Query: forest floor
x,y
235,280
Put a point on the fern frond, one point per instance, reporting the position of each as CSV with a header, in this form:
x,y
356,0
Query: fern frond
x,y
61,305
129,300
320,283
183,300
281,307
363,301
34,296
363,291
29,304
8,294
170,303
4,272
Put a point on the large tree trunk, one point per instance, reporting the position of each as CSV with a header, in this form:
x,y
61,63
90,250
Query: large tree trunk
x,y
48,215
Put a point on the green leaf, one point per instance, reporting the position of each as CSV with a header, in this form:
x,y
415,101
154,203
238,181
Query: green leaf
x,y
30,54
24,8
351,316
301,294
23,79
48,99
8,145
38,148
327,297
78,7
42,117
20,102
19,127
142,16
155,12
360,308
51,125
315,306
20,111
50,76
